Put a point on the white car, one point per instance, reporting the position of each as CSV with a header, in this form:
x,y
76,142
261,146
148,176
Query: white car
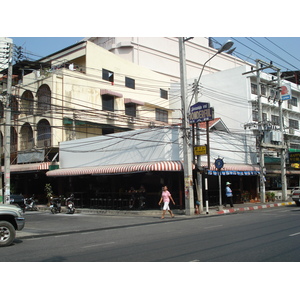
x,y
11,219
296,195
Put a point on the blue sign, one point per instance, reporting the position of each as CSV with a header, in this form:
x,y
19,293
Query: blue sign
x,y
219,163
201,112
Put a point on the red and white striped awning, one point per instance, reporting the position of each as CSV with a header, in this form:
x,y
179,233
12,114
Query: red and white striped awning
x,y
29,167
119,169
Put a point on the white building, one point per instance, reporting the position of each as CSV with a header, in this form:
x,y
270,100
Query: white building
x,y
161,54
234,98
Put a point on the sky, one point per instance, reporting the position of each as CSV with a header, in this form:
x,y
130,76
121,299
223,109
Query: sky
x,y
38,47
284,52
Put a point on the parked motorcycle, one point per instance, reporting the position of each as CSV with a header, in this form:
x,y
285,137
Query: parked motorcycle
x,y
70,205
30,203
55,205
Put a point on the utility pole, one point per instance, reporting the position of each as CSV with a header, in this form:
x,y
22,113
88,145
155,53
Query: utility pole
x,y
283,149
262,143
187,157
6,143
199,174
260,137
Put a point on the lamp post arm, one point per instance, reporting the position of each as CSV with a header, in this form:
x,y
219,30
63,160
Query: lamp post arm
x,y
200,76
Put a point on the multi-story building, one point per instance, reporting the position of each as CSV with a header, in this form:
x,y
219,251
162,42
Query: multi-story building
x,y
80,91
161,54
234,97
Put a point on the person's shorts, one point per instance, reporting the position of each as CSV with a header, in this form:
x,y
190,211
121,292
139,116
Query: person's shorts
x,y
166,206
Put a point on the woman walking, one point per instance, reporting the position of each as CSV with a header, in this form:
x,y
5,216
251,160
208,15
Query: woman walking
x,y
166,197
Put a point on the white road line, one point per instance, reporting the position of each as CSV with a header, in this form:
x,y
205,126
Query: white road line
x,y
97,245
297,233
213,226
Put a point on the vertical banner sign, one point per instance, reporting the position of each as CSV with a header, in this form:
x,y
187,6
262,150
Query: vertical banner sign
x,y
286,92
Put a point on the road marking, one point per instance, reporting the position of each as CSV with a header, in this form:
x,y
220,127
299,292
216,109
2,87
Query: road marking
x,y
213,226
97,245
63,235
297,233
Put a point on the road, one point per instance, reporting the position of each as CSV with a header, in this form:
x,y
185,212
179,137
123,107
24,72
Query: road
x,y
270,235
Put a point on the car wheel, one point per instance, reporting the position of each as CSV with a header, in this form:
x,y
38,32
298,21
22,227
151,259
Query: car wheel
x,y
7,233
297,203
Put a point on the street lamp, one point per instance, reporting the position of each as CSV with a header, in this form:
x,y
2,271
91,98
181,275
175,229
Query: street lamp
x,y
226,46
187,155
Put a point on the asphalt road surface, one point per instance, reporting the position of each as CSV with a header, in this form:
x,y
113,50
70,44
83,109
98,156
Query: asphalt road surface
x,y
269,235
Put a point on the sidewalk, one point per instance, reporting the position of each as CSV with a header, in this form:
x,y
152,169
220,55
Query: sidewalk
x,y
251,206
213,210
70,225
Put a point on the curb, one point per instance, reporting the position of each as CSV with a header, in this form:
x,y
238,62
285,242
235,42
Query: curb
x,y
255,207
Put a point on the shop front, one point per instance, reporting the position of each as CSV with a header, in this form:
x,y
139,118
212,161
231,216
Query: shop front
x,y
126,186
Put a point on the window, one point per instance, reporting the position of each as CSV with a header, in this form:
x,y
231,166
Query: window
x,y
163,94
263,90
253,88
44,98
130,109
107,75
293,101
130,83
254,115
275,120
294,124
43,133
295,146
108,102
161,115
264,117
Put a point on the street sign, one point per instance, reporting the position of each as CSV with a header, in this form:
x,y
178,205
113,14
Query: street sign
x,y
201,112
219,163
200,150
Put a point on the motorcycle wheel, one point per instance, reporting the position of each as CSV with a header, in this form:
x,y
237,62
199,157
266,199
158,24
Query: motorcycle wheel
x,y
53,210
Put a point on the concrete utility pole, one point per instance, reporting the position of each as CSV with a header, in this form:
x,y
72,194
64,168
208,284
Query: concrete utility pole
x,y
283,149
199,174
261,65
187,157
6,143
260,132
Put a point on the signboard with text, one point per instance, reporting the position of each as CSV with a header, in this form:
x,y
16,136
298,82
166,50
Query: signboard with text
x,y
200,150
294,157
201,112
286,92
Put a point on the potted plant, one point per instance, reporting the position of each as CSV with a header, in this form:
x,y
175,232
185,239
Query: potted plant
x,y
49,193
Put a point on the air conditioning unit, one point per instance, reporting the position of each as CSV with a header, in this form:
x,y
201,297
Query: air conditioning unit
x,y
291,131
